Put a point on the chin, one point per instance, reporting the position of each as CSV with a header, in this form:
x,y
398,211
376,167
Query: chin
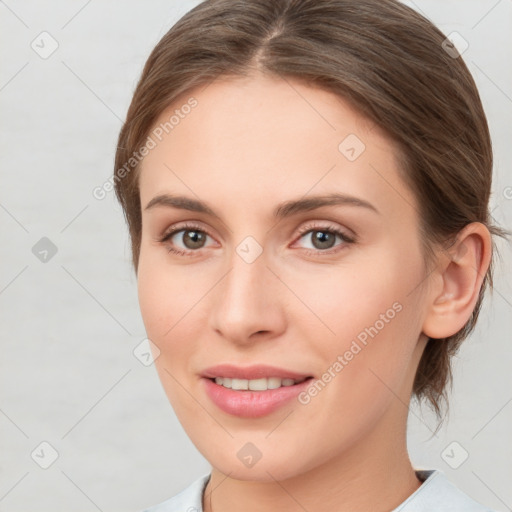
x,y
268,471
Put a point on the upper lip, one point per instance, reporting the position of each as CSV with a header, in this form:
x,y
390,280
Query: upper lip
x,y
257,371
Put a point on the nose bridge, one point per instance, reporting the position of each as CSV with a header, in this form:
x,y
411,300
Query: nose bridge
x,y
244,288
247,301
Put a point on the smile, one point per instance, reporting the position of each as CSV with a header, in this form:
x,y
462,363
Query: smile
x,y
262,384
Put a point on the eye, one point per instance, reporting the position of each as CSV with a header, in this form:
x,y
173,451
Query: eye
x,y
190,236
323,238
185,240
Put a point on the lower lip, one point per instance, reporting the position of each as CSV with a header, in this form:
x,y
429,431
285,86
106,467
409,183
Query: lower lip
x,y
252,404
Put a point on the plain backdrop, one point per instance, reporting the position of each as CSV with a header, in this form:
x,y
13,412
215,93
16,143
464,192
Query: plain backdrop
x,y
73,396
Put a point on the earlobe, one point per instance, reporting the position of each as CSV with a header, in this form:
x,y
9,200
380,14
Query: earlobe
x,y
460,273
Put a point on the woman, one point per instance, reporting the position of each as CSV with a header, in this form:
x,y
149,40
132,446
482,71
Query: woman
x,y
306,185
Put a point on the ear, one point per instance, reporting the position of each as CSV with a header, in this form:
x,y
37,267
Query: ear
x,y
457,280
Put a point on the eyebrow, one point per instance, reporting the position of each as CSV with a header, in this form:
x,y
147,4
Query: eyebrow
x,y
285,209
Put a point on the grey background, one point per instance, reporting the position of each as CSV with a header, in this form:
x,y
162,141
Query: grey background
x,y
69,325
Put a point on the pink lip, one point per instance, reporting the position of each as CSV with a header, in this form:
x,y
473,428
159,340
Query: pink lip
x,y
251,404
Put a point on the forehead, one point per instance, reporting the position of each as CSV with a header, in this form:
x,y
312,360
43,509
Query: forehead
x,y
260,139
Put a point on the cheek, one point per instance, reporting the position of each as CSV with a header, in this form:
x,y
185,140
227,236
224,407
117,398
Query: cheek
x,y
364,367
166,302
154,301
166,293
345,301
364,326
173,301
165,299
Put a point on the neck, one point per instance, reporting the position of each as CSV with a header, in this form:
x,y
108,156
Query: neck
x,y
375,474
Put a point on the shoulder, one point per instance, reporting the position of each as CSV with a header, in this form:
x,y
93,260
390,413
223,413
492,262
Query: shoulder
x,y
188,500
439,494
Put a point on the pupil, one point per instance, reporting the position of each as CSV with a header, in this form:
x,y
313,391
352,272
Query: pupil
x,y
323,239
194,239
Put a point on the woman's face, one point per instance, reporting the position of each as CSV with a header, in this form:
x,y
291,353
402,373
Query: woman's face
x,y
274,282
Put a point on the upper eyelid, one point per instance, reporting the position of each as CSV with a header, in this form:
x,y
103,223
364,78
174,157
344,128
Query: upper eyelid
x,y
185,227
321,225
311,225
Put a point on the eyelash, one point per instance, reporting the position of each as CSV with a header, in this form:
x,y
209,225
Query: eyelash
x,y
347,240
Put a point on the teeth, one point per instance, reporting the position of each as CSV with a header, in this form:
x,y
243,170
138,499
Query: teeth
x,y
255,384
273,383
239,384
223,382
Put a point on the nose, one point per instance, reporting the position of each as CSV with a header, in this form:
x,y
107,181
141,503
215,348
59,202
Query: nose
x,y
248,302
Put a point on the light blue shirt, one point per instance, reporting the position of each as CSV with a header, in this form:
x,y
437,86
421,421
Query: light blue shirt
x,y
436,494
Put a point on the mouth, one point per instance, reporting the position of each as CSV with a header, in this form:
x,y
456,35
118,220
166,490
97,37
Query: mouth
x,y
252,392
262,384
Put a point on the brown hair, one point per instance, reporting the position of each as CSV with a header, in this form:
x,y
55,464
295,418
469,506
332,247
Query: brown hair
x,y
381,56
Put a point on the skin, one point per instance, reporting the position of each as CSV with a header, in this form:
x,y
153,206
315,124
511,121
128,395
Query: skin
x,y
249,145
